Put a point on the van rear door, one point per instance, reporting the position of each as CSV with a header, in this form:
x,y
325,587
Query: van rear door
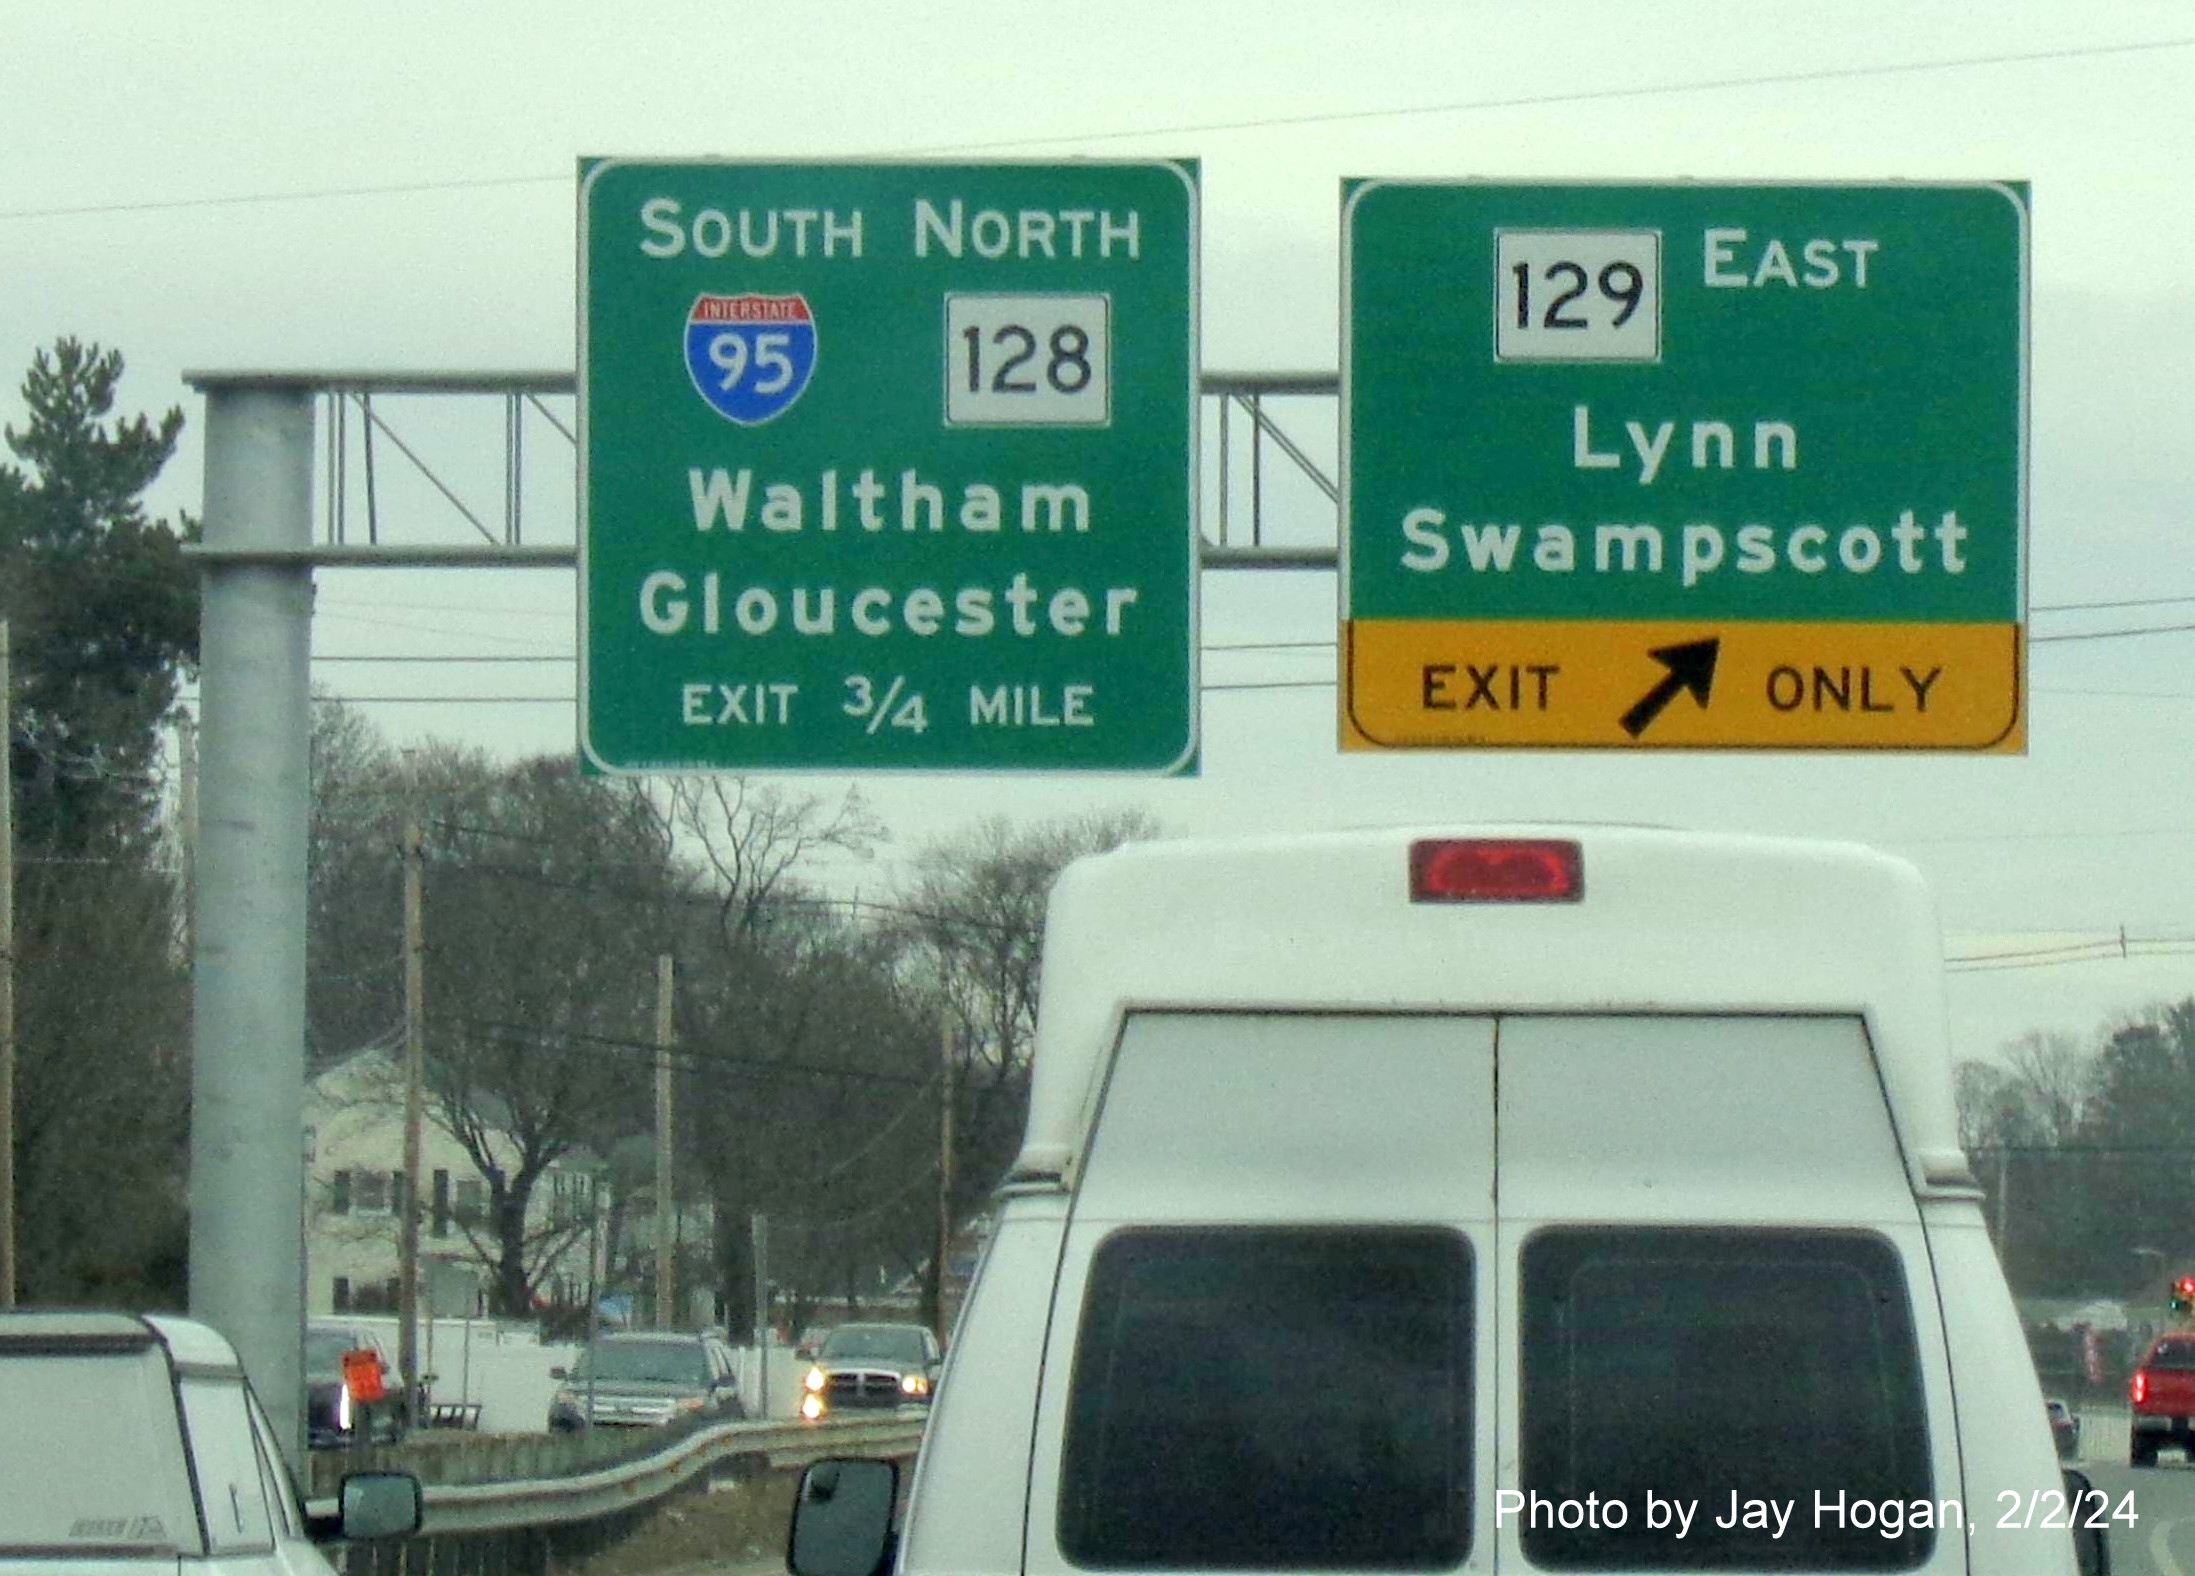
x,y
1722,1297
1277,1264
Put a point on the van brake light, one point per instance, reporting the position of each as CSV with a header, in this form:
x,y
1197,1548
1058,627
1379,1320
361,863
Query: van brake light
x,y
1496,870
2139,1388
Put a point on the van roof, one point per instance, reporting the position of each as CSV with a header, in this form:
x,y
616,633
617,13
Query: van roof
x,y
189,1344
1669,922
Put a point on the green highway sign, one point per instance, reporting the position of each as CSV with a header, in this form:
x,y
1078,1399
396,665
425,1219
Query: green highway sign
x,y
887,466
1689,465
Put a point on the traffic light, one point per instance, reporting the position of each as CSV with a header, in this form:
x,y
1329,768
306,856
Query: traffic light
x,y
2183,1294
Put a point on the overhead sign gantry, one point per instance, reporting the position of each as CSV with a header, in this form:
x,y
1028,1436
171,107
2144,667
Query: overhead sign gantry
x,y
1689,465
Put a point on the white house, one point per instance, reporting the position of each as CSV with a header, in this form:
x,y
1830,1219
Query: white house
x,y
354,1146
354,1151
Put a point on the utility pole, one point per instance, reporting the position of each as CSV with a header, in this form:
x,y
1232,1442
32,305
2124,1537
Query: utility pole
x,y
597,1190
758,1225
944,1179
186,754
666,1230
415,1071
7,978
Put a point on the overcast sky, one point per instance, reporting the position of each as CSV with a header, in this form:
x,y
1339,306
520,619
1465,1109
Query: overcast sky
x,y
390,186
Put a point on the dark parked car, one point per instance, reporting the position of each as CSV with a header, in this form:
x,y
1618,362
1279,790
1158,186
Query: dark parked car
x,y
644,1380
2065,1428
871,1365
333,1414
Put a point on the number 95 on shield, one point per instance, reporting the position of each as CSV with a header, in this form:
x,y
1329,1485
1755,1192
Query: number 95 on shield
x,y
1577,295
1041,360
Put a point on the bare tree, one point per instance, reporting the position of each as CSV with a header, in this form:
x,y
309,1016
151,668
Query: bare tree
x,y
548,896
800,1055
755,839
354,887
973,922
975,911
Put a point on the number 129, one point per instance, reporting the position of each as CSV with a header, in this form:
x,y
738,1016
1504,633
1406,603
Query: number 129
x,y
1577,295
1619,281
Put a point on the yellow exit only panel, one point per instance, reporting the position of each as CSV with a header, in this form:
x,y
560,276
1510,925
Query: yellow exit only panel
x,y
1651,684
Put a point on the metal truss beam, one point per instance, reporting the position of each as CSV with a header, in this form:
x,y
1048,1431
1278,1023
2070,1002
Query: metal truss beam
x,y
1245,467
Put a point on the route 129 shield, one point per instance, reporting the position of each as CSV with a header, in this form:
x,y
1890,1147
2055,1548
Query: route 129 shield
x,y
750,356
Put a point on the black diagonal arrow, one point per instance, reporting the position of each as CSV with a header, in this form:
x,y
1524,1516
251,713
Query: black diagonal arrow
x,y
1691,667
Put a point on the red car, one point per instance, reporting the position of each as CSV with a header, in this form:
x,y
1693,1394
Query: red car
x,y
2162,1392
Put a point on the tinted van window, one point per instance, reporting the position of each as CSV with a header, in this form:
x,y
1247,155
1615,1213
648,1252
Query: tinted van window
x,y
1271,1398
1712,1365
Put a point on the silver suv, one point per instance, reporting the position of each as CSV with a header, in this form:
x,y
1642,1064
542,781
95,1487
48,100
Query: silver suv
x,y
647,1379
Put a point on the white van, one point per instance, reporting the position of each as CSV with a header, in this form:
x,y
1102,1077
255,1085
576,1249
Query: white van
x,y
132,1445
1544,1199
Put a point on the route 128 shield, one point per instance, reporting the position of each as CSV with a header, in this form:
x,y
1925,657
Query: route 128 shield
x,y
750,356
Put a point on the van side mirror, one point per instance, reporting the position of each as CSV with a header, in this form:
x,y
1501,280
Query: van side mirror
x,y
379,1505
2090,1513
842,1518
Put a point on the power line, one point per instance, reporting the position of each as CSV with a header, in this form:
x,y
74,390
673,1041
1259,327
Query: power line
x,y
2099,949
408,605
853,905
915,1102
566,658
1210,686
1194,128
573,656
573,700
434,629
891,1201
2112,634
2040,837
247,199
2078,1149
2099,952
2097,607
1582,96
2096,694
445,700
695,1058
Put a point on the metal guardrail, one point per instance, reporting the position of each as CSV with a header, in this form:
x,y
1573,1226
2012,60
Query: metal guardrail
x,y
458,1508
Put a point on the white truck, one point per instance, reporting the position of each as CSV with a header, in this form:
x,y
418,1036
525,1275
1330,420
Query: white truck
x,y
1484,1200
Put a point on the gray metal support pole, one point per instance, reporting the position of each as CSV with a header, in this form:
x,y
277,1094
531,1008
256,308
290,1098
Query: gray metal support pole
x,y
247,1185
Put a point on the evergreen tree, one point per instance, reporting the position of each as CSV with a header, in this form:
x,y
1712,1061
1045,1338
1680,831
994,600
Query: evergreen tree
x,y
102,607
103,619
